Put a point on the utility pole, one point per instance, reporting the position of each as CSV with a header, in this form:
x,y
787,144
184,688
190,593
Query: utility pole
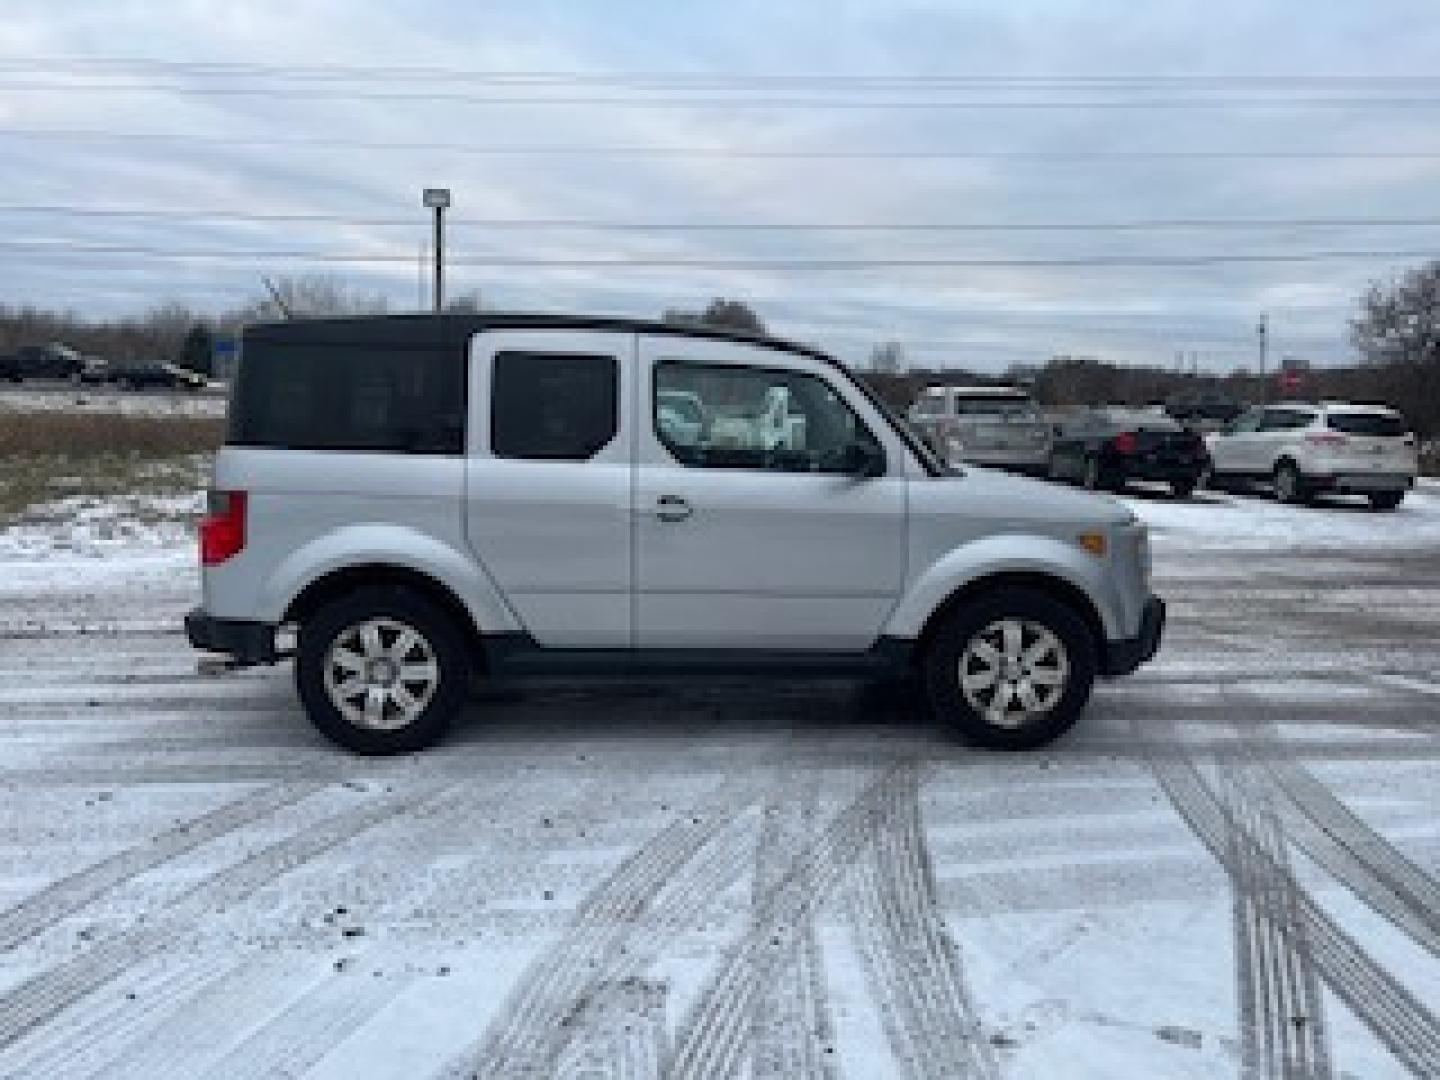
x,y
1262,330
438,200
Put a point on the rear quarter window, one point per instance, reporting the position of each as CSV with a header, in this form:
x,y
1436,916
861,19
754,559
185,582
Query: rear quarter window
x,y
553,406
1382,424
311,396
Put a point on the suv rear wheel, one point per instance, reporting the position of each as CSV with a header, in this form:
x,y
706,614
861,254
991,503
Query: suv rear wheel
x,y
1290,485
381,671
1010,670
1386,500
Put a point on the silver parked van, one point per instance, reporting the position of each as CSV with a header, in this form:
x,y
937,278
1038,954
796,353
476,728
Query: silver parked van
x,y
428,501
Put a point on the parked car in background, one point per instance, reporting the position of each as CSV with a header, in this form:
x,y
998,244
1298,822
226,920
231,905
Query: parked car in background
x,y
152,376
552,527
50,361
1106,447
983,425
1203,410
94,371
1306,449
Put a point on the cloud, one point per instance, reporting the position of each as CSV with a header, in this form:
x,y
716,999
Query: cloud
x,y
222,150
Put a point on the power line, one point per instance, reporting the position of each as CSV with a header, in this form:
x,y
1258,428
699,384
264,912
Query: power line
x,y
651,102
607,225
721,152
248,69
34,247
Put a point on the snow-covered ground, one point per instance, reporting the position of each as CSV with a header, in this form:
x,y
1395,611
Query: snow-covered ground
x,y
1259,523
1231,867
105,400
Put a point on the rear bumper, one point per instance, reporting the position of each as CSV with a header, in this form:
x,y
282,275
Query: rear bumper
x,y
246,642
1361,483
1139,468
1123,657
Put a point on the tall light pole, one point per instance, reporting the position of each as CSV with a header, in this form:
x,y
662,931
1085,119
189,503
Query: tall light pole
x,y
1262,331
438,199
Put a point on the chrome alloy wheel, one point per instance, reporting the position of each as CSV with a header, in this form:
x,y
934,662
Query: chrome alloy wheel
x,y
1013,671
380,674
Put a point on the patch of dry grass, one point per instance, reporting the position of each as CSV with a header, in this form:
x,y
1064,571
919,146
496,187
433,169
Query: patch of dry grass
x,y
49,456
85,435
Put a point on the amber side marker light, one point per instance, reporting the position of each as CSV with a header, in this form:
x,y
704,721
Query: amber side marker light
x,y
1094,542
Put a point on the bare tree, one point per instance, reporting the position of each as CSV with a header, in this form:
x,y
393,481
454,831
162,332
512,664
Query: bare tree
x,y
312,296
888,358
720,313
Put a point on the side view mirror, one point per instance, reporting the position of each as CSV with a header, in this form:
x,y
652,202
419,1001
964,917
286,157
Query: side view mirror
x,y
865,459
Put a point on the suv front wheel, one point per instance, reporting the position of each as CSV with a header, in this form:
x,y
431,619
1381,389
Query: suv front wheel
x,y
1010,670
381,671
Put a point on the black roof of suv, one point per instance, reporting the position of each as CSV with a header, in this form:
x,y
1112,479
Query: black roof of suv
x,y
447,329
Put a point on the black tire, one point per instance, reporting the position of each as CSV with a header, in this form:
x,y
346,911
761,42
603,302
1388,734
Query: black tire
x,y
1386,500
445,640
940,667
1182,489
1290,485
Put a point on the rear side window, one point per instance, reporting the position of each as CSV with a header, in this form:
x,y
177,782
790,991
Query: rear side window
x,y
994,406
313,396
553,406
1381,424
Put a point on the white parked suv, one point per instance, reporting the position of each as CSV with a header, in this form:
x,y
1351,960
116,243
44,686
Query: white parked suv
x,y
1308,449
421,502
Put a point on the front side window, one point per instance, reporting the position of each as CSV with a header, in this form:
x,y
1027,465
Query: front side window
x,y
724,417
553,406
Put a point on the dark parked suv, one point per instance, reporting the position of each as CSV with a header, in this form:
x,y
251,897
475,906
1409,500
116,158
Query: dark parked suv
x,y
1108,447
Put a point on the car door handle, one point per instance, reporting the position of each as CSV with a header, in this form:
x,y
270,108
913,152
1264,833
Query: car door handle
x,y
672,508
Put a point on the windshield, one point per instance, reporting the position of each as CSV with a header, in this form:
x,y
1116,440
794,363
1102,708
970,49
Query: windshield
x,y
928,461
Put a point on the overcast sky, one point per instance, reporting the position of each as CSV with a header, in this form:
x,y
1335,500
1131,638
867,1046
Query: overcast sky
x,y
1074,115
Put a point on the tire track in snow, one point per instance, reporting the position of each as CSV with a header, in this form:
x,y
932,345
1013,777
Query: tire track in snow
x,y
235,1000
34,1003
68,895
110,1025
1374,869
311,1026
790,1025
1283,1034
711,1042
913,963
608,938
1402,1023
621,1036
301,1034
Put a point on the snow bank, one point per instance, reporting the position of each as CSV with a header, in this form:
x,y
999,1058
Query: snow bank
x,y
1257,523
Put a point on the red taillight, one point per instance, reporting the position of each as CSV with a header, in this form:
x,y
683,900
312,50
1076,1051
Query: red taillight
x,y
1326,438
222,529
1125,442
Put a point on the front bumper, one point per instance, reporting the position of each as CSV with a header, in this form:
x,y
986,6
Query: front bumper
x,y
246,642
1123,657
